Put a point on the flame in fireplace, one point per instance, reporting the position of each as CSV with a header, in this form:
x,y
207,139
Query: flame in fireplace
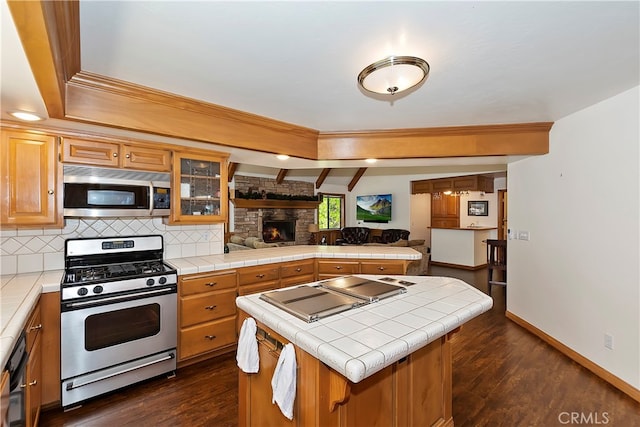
x,y
273,233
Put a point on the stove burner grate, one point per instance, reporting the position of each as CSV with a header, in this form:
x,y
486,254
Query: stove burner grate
x,y
105,272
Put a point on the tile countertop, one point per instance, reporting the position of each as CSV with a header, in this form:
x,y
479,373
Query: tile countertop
x,y
362,341
18,295
251,257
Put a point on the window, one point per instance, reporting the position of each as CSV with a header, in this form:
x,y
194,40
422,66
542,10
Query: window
x,y
331,212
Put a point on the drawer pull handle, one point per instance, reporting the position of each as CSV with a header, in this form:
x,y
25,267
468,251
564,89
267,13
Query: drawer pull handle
x,y
298,270
381,268
338,267
211,284
115,154
210,337
34,382
128,156
35,328
259,276
210,307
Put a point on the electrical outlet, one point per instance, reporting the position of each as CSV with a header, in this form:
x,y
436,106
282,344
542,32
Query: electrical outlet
x,y
608,341
523,235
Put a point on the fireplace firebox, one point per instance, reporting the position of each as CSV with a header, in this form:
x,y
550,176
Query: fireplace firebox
x,y
279,231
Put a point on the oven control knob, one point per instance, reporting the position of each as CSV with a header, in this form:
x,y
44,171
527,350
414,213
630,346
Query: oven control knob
x,y
162,280
83,291
98,289
150,282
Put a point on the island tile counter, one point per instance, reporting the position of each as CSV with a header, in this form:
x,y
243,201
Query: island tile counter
x,y
362,341
386,363
461,247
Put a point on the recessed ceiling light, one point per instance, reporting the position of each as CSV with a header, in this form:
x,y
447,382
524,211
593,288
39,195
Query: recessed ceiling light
x,y
282,157
371,160
26,116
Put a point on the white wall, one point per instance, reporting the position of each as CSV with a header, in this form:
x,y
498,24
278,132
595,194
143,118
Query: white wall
x,y
577,278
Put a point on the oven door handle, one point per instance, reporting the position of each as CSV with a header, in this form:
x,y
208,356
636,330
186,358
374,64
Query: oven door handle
x,y
119,298
72,385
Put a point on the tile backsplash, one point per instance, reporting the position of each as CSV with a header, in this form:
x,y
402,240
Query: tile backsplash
x,y
41,249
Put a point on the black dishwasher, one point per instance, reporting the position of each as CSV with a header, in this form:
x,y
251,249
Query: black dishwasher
x,y
18,379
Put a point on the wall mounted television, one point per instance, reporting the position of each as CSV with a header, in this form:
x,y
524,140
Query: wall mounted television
x,y
373,208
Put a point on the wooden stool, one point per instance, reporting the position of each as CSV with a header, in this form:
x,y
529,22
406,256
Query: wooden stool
x,y
496,260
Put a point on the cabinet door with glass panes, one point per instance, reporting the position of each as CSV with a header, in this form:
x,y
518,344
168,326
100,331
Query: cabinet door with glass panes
x,y
199,188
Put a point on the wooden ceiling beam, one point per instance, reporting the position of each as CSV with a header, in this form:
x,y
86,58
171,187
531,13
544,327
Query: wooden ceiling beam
x,y
231,170
322,177
50,35
356,178
281,175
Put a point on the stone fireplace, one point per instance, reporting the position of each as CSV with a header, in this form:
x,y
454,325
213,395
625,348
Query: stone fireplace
x,y
292,223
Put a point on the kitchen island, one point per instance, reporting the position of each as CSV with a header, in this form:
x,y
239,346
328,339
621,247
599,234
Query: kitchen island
x,y
387,363
461,247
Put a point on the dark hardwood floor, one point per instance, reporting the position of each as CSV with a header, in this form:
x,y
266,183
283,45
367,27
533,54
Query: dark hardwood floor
x,y
502,376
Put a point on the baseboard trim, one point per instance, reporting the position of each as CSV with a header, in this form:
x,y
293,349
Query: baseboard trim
x,y
618,383
462,267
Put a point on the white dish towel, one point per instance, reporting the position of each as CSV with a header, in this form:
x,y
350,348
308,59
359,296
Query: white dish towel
x,y
247,354
283,382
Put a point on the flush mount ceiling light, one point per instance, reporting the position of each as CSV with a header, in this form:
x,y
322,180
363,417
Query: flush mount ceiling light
x,y
26,116
282,157
393,74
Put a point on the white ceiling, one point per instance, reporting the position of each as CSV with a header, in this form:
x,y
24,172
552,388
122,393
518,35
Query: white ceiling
x,y
297,62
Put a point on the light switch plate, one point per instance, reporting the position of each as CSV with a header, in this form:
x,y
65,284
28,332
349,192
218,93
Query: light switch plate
x,y
523,235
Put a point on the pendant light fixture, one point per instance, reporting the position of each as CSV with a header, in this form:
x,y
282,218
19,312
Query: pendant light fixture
x,y
393,75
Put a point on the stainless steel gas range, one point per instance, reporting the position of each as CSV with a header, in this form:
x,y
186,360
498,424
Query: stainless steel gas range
x,y
118,315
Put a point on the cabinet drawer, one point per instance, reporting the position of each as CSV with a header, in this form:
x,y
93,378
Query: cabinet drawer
x,y
298,268
258,287
249,275
204,308
34,324
296,280
338,267
372,267
207,337
190,285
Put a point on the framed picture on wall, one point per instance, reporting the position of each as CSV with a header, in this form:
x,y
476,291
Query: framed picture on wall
x,y
478,208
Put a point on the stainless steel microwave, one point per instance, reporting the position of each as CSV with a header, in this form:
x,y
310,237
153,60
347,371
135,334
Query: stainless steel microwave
x,y
101,192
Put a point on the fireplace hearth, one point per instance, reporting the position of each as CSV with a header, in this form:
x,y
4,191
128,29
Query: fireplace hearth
x,y
279,231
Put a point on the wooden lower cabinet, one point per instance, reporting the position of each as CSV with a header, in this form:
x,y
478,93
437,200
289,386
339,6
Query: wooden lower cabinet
x,y
297,272
33,387
260,278
207,313
415,391
334,268
384,267
50,332
207,337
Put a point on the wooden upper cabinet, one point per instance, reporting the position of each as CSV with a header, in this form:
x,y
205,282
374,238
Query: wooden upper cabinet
x,y
445,211
458,183
152,159
114,154
31,180
199,192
